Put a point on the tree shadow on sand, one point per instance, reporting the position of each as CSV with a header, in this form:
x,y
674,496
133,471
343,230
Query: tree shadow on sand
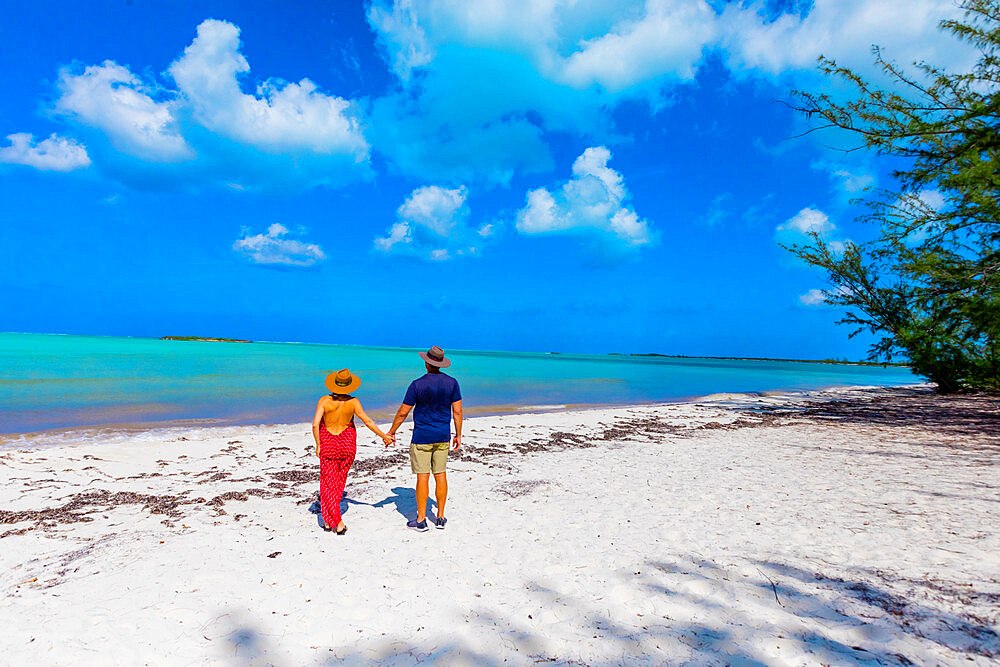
x,y
972,420
876,608
903,605
694,611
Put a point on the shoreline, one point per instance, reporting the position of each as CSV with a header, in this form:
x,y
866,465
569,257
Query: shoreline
x,y
71,435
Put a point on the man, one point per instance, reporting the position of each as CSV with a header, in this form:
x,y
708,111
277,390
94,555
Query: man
x,y
437,399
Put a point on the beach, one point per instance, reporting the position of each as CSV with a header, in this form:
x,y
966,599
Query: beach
x,y
841,526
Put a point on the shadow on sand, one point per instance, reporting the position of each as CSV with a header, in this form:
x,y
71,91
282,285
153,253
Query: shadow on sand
x,y
405,501
719,615
963,417
345,504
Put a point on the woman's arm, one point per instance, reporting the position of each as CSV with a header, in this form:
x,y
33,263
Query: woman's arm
x,y
360,412
317,420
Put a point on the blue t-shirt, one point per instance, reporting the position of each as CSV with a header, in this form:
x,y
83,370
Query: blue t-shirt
x,y
433,395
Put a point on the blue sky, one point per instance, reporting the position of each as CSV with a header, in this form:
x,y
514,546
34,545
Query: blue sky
x,y
591,176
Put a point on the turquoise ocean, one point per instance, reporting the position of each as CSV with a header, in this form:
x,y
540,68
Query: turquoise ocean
x,y
60,382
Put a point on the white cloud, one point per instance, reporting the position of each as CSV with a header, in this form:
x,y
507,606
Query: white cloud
x,y
818,297
399,236
275,248
53,154
719,210
282,117
435,208
810,220
837,247
433,224
205,129
849,179
666,39
807,221
401,36
854,182
932,200
593,200
481,81
844,30
915,205
614,45
813,297
109,98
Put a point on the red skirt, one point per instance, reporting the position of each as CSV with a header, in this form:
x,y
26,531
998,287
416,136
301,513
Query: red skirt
x,y
336,454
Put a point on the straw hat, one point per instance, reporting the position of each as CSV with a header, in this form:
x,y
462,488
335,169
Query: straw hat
x,y
342,382
435,357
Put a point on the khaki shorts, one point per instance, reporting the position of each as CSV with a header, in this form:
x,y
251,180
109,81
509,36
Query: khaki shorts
x,y
428,458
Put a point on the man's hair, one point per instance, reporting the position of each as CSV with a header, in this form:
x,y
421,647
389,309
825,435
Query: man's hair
x,y
431,368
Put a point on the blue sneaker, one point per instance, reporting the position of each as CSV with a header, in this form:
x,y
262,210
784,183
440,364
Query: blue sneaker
x,y
440,522
419,526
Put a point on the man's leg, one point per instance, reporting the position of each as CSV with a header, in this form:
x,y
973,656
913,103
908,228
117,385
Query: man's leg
x,y
423,482
441,491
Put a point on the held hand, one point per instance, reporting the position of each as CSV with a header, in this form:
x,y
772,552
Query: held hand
x,y
457,443
388,439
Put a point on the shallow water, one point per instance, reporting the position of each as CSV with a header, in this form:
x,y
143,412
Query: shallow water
x,y
54,381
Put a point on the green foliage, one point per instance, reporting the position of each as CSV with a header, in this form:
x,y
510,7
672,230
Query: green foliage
x,y
930,282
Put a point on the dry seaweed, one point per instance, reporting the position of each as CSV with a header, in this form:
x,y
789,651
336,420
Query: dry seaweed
x,y
376,463
81,505
297,476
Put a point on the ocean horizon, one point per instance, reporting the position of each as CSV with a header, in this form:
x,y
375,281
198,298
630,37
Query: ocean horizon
x,y
57,381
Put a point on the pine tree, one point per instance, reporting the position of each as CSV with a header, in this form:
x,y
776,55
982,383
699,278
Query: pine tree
x,y
930,283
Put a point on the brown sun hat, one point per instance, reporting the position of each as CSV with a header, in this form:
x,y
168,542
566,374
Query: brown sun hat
x,y
435,357
342,382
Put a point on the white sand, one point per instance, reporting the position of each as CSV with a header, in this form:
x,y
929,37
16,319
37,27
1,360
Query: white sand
x,y
804,541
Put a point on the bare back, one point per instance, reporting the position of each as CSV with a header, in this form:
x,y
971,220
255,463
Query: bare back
x,y
338,414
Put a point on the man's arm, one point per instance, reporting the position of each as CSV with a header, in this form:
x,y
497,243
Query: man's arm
x,y
456,412
400,417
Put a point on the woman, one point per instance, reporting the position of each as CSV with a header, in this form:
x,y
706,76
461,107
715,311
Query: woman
x,y
336,442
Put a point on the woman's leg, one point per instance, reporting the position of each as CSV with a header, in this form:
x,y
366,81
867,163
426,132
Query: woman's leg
x,y
338,480
340,466
329,498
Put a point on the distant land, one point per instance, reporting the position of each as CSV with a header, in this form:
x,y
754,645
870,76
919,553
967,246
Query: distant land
x,y
208,340
843,362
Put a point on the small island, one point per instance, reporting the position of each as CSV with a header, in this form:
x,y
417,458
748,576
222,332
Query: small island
x,y
206,340
844,362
